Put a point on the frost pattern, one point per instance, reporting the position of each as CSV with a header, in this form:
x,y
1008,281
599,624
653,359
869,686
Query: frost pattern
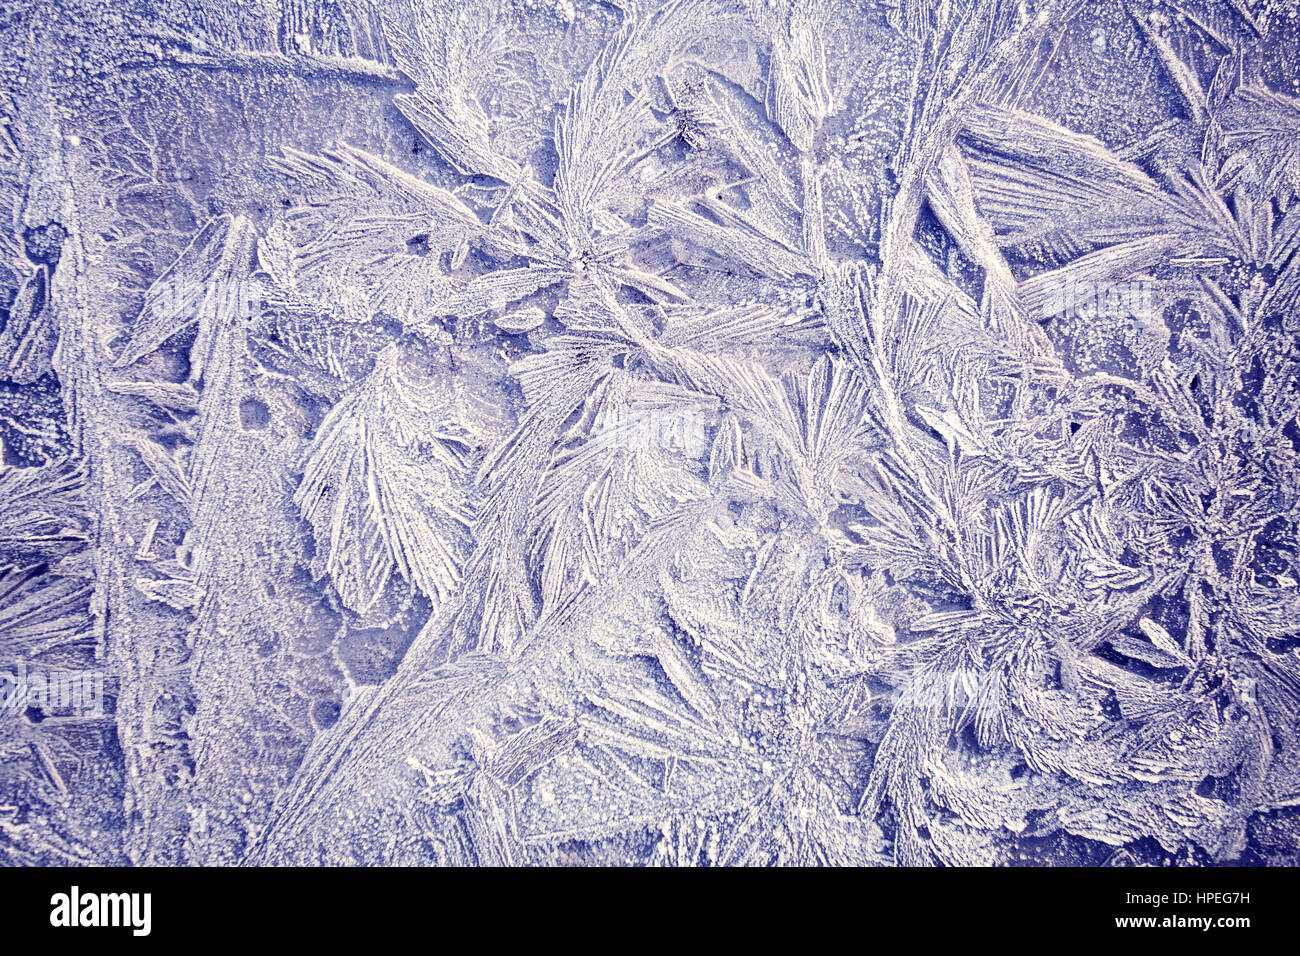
x,y
698,433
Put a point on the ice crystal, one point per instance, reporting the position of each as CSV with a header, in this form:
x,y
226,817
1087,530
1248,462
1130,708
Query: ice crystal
x,y
694,433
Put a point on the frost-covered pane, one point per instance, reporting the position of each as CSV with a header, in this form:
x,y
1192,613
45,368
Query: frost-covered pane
x,y
690,433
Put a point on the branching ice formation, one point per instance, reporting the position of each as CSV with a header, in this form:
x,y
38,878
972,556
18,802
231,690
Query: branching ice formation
x,y
691,433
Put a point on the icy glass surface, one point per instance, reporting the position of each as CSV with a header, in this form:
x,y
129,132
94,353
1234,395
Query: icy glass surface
x,y
702,433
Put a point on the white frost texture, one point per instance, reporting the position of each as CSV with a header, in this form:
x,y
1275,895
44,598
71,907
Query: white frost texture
x,y
613,432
